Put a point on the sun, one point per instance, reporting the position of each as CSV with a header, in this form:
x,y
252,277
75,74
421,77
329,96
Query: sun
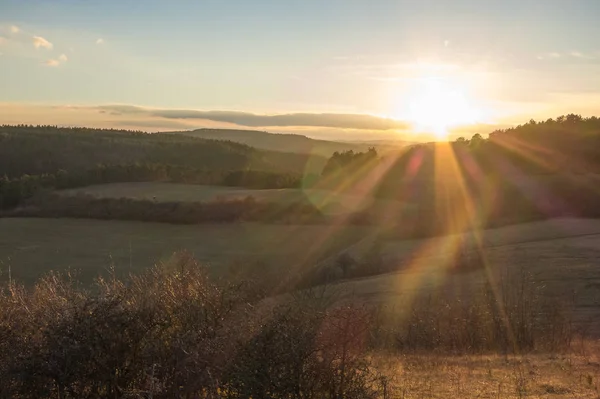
x,y
435,105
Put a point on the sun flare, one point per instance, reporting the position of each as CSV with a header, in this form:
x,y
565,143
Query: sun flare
x,y
437,105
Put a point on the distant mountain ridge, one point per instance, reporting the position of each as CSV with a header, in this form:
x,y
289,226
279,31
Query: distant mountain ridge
x,y
284,142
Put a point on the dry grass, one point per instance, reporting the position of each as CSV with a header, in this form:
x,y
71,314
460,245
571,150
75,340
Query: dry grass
x,y
494,376
561,254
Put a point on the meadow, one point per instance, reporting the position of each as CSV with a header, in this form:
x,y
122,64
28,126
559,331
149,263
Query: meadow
x,y
33,247
561,253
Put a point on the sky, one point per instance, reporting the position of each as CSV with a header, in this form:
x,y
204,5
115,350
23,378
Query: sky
x,y
342,69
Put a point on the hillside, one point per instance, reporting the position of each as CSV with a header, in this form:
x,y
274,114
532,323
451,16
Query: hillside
x,y
293,143
47,149
33,247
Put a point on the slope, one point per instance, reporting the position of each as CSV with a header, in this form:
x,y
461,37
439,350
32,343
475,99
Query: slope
x,y
293,143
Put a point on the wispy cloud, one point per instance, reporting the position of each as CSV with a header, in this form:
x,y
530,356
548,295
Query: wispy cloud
x,y
2,40
584,56
52,63
567,55
56,62
100,41
553,55
14,29
341,121
39,41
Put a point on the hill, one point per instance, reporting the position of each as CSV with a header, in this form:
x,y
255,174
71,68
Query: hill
x,y
47,149
292,143
34,157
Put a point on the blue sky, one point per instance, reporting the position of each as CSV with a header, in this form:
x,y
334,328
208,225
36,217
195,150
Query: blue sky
x,y
507,61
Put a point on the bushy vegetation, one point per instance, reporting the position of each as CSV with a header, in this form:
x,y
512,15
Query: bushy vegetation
x,y
217,211
173,332
349,162
510,314
15,191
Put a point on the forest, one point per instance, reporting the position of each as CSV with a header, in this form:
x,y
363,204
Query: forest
x,y
530,172
47,157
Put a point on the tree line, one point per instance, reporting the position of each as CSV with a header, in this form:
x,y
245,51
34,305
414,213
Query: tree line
x,y
34,158
245,209
37,150
529,172
15,191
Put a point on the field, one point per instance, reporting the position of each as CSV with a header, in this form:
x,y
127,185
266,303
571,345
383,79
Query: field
x,y
329,202
494,376
33,247
562,254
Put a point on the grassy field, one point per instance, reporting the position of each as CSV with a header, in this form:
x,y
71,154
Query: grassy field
x,y
329,202
33,247
574,375
562,254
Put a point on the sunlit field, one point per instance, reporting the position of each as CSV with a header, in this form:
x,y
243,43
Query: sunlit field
x,y
388,199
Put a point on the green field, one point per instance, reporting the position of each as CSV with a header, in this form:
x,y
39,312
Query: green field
x,y
327,201
33,247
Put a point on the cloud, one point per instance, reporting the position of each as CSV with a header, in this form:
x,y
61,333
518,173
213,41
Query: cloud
x,y
39,41
100,41
548,56
569,55
152,124
340,121
56,62
583,56
14,29
52,63
2,40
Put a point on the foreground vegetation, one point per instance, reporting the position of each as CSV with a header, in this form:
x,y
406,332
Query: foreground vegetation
x,y
172,332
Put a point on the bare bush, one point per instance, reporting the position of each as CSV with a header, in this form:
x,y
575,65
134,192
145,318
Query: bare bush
x,y
510,315
172,332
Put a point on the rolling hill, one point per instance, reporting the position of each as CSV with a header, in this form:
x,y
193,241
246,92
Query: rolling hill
x,y
291,143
